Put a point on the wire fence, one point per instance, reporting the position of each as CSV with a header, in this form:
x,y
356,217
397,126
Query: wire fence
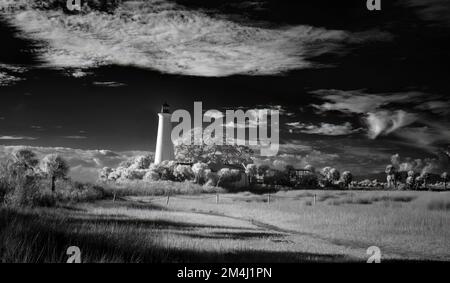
x,y
268,198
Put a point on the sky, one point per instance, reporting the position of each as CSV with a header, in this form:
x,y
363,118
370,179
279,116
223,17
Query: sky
x,y
356,89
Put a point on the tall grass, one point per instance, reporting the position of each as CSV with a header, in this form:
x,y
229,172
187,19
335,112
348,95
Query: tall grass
x,y
157,188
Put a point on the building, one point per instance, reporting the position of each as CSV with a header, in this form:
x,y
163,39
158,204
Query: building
x,y
164,146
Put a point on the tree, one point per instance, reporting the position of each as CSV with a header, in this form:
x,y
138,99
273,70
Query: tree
x,y
215,153
251,170
330,175
347,178
391,176
228,176
444,177
104,173
25,159
310,168
199,171
334,175
410,180
262,169
55,167
183,172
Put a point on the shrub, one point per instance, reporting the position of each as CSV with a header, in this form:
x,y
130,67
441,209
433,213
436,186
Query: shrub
x,y
228,176
69,191
28,192
211,178
307,181
199,169
151,175
183,172
276,177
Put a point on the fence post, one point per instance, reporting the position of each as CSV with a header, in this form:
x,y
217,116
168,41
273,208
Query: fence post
x,y
268,198
217,198
314,202
168,197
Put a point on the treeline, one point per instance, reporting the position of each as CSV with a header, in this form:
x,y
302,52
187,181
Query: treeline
x,y
26,180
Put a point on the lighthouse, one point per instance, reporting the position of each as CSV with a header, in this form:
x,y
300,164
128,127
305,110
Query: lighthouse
x,y
164,145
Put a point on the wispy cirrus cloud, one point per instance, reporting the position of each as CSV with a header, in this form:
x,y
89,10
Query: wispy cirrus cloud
x,y
75,137
164,36
385,122
387,113
17,138
437,12
358,101
326,129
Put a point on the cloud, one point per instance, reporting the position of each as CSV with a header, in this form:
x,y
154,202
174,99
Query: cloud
x,y
214,114
385,122
357,101
10,74
430,137
323,129
439,107
435,165
315,158
7,79
17,138
108,84
170,38
437,12
382,113
75,137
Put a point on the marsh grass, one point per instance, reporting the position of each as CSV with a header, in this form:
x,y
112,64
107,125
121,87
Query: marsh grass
x,y
109,232
371,199
158,188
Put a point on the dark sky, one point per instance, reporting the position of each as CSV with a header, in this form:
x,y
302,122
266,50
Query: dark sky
x,y
355,86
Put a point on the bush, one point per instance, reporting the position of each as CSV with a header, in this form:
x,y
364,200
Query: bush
x,y
157,188
228,176
211,178
29,191
78,192
309,180
183,173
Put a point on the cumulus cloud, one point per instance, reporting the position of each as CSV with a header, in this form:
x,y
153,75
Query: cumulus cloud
x,y
323,129
170,38
426,165
315,158
385,122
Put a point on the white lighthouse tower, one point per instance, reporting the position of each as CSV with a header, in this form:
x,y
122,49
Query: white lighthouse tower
x,y
164,145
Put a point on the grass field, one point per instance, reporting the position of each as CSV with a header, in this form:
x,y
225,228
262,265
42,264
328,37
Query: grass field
x,y
338,226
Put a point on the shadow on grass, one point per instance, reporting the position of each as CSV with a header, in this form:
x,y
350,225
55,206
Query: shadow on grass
x,y
29,237
238,235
